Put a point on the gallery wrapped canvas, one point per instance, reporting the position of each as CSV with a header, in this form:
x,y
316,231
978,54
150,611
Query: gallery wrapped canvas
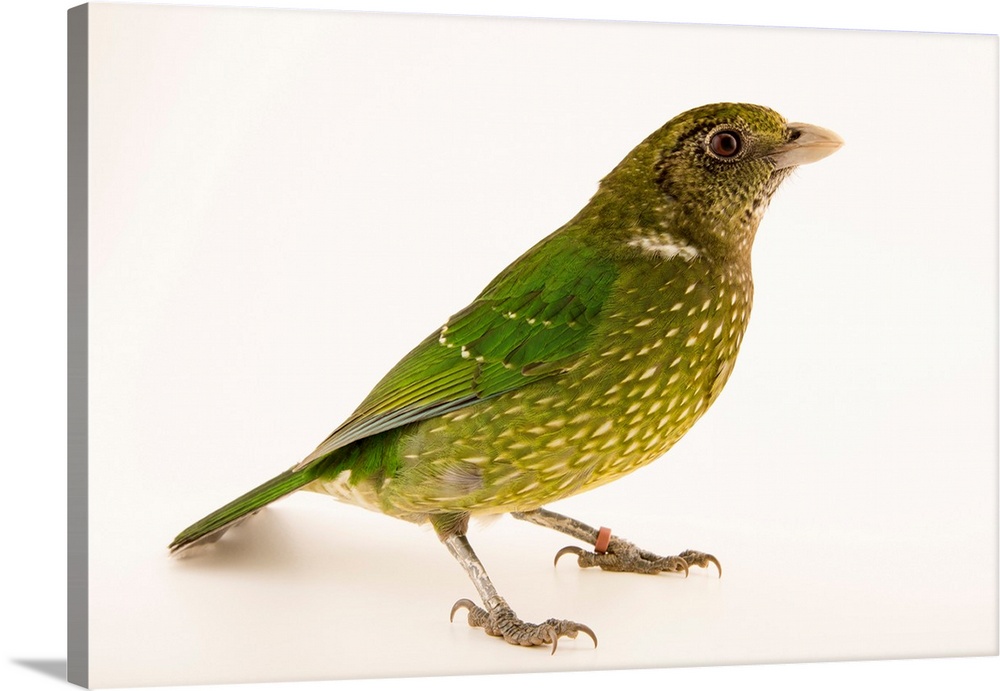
x,y
270,209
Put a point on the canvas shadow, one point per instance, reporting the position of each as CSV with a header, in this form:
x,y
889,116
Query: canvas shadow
x,y
54,668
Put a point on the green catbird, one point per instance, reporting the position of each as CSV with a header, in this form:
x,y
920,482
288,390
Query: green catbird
x,y
585,359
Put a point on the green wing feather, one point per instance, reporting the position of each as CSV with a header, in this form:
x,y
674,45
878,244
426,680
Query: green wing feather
x,y
534,320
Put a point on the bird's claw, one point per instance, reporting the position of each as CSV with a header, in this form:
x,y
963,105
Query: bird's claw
x,y
569,549
464,602
501,621
701,559
613,561
624,556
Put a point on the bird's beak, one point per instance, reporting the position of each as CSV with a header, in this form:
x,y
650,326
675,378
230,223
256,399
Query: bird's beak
x,y
806,144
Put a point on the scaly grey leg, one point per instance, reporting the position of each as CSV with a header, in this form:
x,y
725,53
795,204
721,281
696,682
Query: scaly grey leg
x,y
498,619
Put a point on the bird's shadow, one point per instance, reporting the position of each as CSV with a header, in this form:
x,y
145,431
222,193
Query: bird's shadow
x,y
280,543
264,542
54,668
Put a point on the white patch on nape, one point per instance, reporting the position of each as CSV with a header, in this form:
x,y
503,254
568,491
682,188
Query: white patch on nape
x,y
664,245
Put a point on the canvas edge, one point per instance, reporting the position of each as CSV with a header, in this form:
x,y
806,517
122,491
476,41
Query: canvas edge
x,y
77,69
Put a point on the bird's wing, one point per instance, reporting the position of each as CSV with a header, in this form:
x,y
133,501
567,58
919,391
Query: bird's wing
x,y
533,321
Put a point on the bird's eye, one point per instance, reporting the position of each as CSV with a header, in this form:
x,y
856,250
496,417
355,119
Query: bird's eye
x,y
725,144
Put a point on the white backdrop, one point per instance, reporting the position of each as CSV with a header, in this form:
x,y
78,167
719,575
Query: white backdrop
x,y
284,202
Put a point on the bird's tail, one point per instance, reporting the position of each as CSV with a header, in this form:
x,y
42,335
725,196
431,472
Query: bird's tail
x,y
212,526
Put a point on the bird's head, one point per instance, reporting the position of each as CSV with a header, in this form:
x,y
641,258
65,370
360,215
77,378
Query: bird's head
x,y
708,174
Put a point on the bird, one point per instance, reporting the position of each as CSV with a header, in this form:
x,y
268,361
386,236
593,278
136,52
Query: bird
x,y
585,359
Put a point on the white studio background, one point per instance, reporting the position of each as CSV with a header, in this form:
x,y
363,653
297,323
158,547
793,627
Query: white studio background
x,y
264,248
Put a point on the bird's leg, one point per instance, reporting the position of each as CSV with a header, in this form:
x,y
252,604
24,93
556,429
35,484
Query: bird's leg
x,y
613,553
498,619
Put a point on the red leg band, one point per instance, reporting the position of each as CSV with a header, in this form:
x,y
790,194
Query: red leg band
x,y
603,540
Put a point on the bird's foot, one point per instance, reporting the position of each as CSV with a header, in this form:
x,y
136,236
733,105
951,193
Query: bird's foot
x,y
622,555
501,621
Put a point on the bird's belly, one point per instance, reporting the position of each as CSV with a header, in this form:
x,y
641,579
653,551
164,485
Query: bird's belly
x,y
549,440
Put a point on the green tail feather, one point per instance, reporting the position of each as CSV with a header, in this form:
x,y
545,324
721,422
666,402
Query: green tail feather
x,y
217,521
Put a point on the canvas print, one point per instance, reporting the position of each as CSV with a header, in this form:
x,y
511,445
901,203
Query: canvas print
x,y
481,340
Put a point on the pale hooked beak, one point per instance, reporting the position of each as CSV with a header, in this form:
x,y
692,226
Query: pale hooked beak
x,y
808,144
